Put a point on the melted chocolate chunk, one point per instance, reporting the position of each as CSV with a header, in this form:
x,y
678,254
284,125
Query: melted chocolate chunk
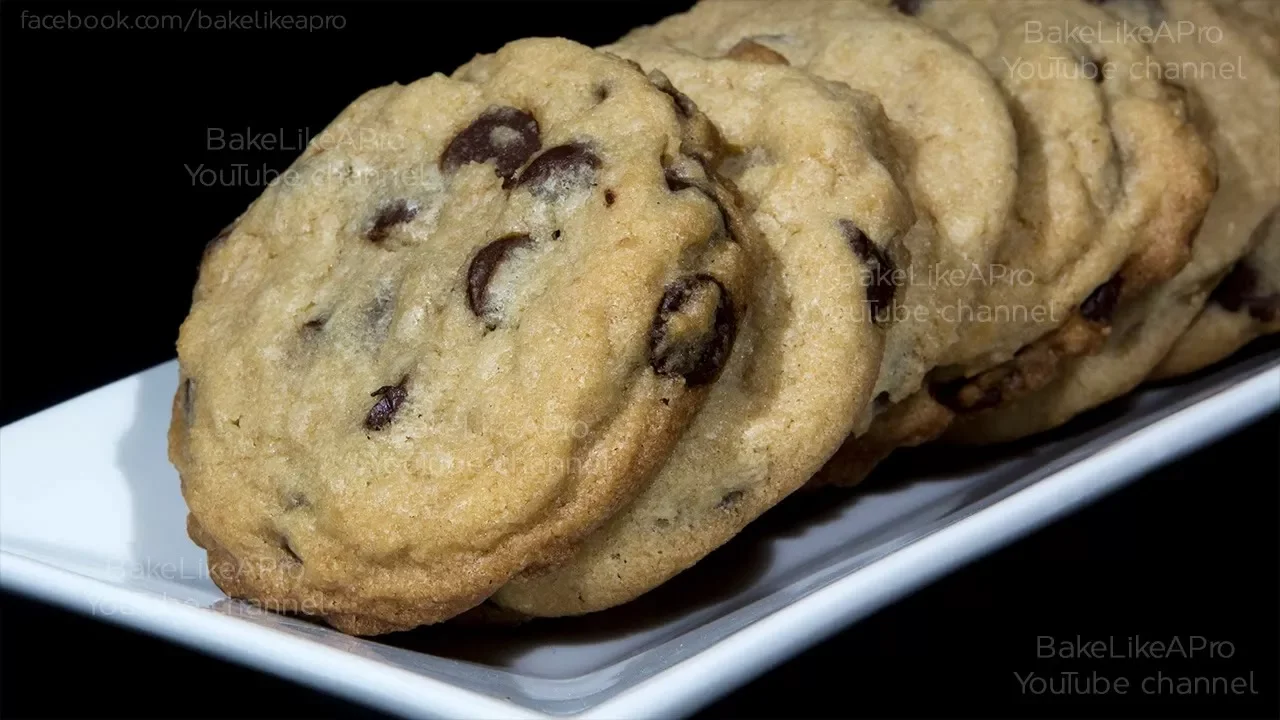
x,y
508,136
1234,290
1265,309
609,198
685,345
601,93
560,170
685,107
396,212
1101,303
481,270
390,398
1238,292
882,281
748,50
908,7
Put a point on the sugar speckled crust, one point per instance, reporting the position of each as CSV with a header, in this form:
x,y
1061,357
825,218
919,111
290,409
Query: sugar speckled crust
x,y
1242,118
949,123
1244,306
462,335
810,159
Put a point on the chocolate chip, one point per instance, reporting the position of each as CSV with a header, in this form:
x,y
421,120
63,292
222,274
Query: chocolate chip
x,y
1236,292
601,93
882,281
609,197
908,7
748,50
1101,303
508,136
560,170
396,212
730,499
1266,308
481,271
683,340
685,107
390,398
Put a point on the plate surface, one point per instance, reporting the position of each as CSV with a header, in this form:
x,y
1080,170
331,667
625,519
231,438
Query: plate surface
x,y
91,518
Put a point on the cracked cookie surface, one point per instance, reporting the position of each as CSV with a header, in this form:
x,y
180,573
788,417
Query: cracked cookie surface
x,y
462,335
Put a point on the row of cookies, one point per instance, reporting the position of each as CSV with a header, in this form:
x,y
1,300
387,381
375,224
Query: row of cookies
x,y
1058,195
587,322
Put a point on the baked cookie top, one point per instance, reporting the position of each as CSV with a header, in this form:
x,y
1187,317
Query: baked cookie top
x,y
947,120
457,336
1241,117
815,169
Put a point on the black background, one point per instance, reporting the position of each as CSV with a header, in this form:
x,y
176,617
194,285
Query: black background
x,y
101,230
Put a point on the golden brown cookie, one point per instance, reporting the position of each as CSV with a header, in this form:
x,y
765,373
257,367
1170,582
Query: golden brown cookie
x,y
1244,306
451,346
1241,115
948,122
812,162
1113,180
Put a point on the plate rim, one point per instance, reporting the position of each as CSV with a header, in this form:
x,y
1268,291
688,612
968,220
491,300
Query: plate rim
x,y
699,679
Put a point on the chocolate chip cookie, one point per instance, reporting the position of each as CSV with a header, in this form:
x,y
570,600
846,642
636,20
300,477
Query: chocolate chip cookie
x,y
1113,180
817,172
948,121
1245,305
457,335
1241,115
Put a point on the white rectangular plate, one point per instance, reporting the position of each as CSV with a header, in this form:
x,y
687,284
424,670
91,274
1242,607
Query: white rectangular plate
x,y
91,518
